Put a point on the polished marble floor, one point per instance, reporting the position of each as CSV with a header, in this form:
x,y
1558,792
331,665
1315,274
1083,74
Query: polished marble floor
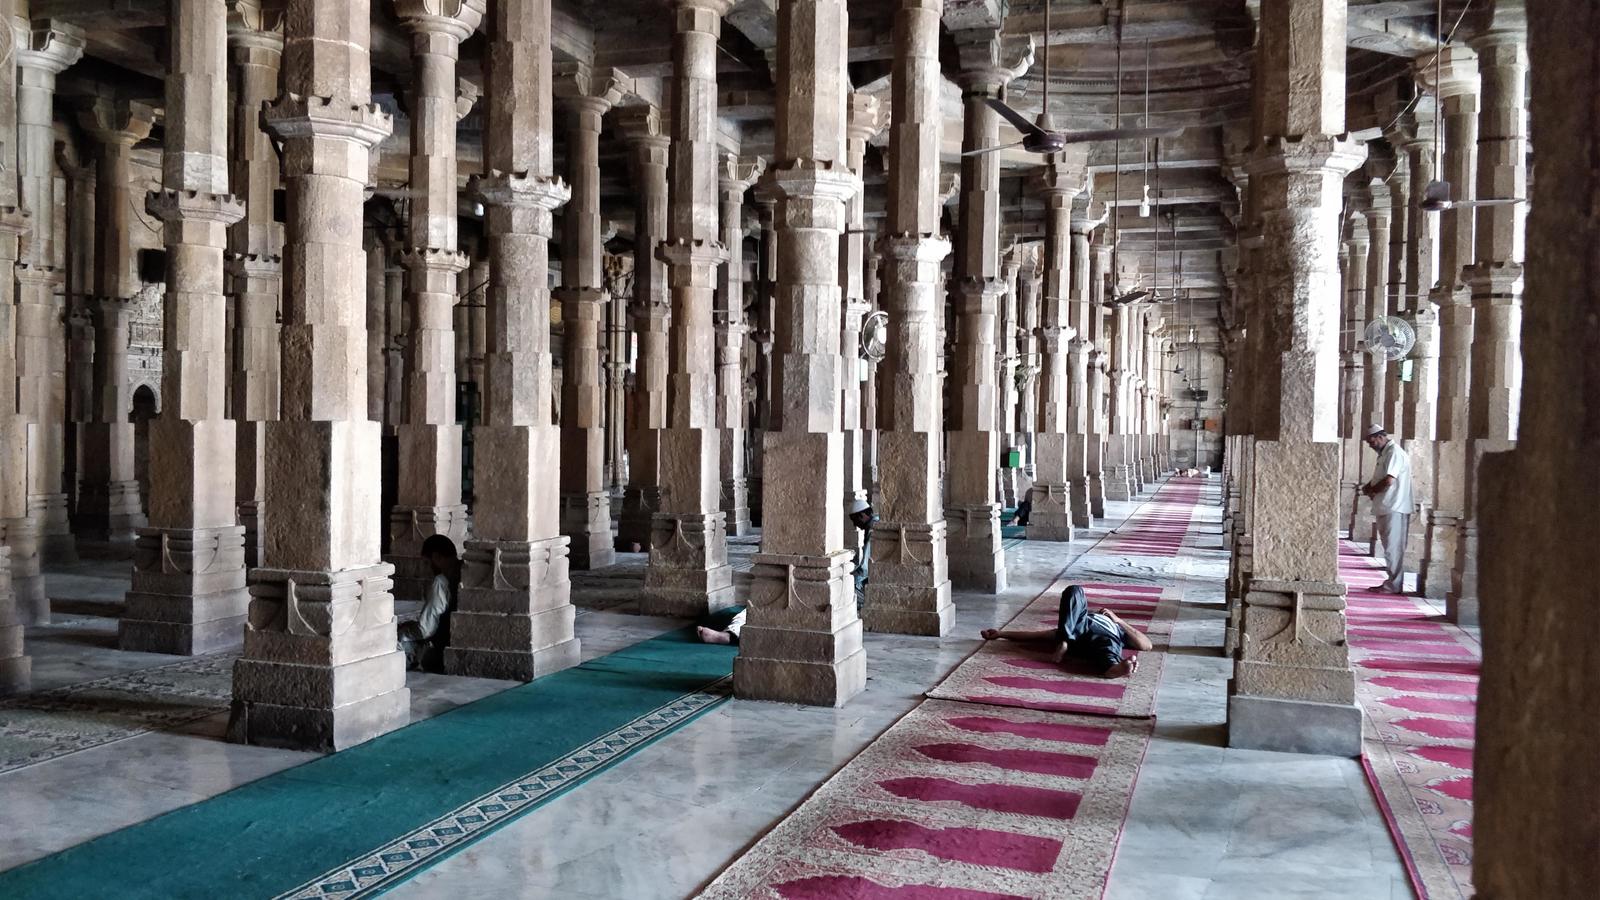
x,y
1205,822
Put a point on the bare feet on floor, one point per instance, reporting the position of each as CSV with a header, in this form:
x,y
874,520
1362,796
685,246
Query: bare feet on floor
x,y
712,636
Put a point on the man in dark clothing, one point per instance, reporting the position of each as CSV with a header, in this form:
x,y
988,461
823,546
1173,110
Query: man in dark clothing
x,y
1095,636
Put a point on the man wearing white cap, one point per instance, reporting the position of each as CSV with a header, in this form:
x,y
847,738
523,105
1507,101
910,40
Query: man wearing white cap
x,y
1390,490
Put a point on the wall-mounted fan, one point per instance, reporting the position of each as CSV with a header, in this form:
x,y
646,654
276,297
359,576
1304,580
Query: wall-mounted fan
x,y
1040,136
875,336
1390,337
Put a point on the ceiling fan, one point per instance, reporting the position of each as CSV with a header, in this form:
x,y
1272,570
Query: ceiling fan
x,y
1040,136
1138,293
1436,196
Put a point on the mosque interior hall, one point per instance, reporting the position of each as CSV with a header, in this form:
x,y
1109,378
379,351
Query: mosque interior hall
x,y
799,449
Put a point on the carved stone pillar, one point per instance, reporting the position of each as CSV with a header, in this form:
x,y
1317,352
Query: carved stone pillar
x,y
1458,93
909,589
647,402
1374,396
1418,413
1354,466
689,572
1293,688
1398,301
862,121
1006,368
255,258
737,174
188,594
1495,277
19,531
972,436
1028,289
1078,314
320,669
1099,361
44,49
619,277
1054,485
585,96
109,507
802,643
429,501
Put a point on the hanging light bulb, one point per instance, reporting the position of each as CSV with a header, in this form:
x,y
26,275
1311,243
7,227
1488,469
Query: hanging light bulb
x,y
1144,204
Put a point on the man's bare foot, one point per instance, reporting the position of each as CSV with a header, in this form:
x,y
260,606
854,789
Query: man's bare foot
x,y
712,636
989,634
1059,654
1377,589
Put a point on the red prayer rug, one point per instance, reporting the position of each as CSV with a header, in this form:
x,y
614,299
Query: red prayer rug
x,y
957,802
1417,683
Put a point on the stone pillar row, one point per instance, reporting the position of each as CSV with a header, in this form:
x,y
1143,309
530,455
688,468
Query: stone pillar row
x,y
18,529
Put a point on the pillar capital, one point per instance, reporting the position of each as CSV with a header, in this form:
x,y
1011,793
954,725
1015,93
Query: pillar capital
x,y
718,8
585,89
863,117
173,207
990,60
521,192
1458,72
296,116
737,173
256,23
1064,178
47,45
121,122
949,186
430,20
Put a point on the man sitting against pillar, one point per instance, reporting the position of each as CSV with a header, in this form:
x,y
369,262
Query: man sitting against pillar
x,y
862,518
1094,637
1390,490
423,640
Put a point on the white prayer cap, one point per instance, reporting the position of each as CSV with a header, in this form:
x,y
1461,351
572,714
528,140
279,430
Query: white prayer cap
x,y
1372,430
858,505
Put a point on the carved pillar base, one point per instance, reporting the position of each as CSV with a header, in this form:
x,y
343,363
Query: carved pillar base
x,y
1238,577
252,519
735,506
16,668
639,505
972,548
251,484
110,511
409,526
57,545
808,647
1461,600
689,573
1051,517
1097,477
514,618
908,585
188,595
586,520
20,538
1293,689
1439,553
320,669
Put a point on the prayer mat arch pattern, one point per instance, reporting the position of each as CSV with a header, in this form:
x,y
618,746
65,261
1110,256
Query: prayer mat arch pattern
x,y
1417,683
1011,781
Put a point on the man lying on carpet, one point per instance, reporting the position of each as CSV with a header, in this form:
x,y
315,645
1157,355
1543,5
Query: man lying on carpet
x,y
424,639
862,518
1094,636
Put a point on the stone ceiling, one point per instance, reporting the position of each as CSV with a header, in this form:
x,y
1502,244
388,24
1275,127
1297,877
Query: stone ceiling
x,y
1199,58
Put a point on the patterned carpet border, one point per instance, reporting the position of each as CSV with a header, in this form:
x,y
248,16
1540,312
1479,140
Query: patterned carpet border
x,y
384,868
957,801
1417,686
39,727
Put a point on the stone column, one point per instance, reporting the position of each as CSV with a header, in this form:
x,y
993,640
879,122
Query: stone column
x,y
619,291
255,261
399,318
736,175
429,498
689,572
1495,278
516,617
1006,374
1352,423
802,643
1078,314
19,531
972,435
1053,486
1374,396
44,49
584,96
109,506
1119,441
78,173
1028,354
1535,781
873,286
1397,301
1458,93
1293,688
1099,358
1419,410
188,594
320,669
647,402
909,589
862,121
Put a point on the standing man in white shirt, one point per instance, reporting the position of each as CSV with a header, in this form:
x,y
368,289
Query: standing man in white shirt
x,y
1390,490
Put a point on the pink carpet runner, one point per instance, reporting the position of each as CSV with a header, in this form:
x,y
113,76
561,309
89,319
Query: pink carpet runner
x,y
1417,682
1019,790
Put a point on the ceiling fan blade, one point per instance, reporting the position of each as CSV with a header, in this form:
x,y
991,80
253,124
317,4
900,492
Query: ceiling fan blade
x,y
1017,120
1118,134
1009,146
1505,201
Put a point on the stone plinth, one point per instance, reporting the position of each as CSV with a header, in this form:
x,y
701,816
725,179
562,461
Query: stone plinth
x,y
803,643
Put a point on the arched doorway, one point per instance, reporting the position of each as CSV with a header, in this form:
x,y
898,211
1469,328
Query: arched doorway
x,y
144,409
